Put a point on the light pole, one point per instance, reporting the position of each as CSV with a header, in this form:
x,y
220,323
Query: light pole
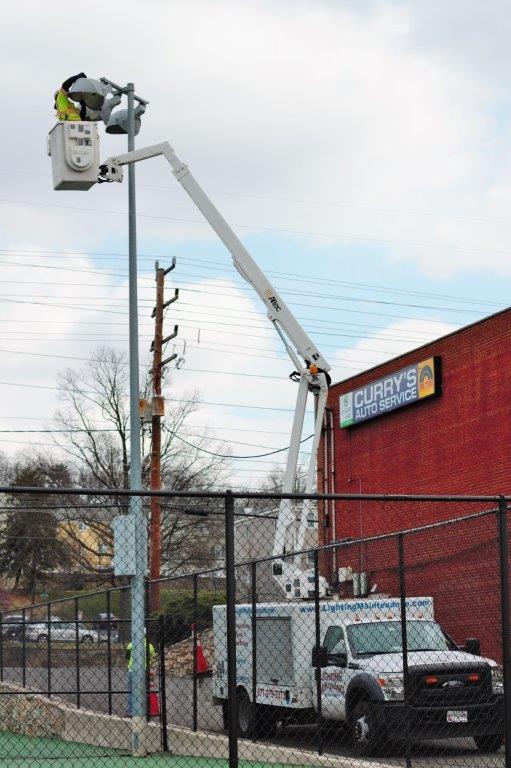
x,y
138,652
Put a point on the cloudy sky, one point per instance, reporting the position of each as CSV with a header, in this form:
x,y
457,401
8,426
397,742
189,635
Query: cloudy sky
x,y
361,150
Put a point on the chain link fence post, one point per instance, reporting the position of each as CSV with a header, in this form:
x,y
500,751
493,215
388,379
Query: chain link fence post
x,y
231,631
253,618
194,654
162,685
317,628
506,628
404,642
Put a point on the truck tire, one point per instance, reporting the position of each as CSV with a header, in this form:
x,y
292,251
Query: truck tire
x,y
489,742
254,721
246,715
367,738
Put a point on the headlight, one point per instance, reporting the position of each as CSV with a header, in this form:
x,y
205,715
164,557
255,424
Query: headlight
x,y
392,687
497,680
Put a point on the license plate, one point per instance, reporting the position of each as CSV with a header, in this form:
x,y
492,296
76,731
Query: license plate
x,y
457,716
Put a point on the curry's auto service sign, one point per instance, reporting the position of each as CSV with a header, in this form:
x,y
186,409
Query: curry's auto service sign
x,y
408,385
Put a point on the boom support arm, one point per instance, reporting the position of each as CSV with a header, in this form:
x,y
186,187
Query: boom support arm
x,y
276,308
311,366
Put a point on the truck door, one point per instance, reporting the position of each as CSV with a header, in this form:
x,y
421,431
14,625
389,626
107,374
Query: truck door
x,y
334,675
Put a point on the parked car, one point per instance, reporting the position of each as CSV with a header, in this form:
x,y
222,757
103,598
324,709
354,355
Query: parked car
x,y
10,622
62,632
103,620
16,628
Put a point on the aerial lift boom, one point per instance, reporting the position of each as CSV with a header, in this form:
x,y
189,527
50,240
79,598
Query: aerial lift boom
x,y
311,367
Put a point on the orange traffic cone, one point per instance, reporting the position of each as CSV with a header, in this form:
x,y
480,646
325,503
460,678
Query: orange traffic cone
x,y
154,704
202,665
153,699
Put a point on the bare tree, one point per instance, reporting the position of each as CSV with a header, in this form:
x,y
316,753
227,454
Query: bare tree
x,y
274,480
95,416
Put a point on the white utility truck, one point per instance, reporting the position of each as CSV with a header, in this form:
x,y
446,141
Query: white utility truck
x,y
451,692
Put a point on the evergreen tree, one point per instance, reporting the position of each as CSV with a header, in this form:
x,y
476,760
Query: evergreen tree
x,y
30,545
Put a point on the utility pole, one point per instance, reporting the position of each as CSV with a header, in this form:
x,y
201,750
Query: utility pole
x,y
157,411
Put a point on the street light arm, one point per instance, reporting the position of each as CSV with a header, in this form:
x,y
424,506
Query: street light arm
x,y
120,89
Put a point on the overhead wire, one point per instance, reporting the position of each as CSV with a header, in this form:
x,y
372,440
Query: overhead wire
x,y
261,228
299,201
227,266
191,289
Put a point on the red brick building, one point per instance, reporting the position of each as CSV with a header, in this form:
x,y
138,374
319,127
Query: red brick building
x,y
436,420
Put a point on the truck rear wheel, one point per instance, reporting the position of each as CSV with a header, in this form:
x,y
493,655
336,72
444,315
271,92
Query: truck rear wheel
x,y
489,743
254,720
245,715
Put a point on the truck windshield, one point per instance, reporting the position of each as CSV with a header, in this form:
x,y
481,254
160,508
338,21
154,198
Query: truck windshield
x,y
385,637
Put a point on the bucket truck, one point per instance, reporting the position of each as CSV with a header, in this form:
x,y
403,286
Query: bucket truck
x,y
311,370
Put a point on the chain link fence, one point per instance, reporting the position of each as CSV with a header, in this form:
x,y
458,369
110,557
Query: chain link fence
x,y
294,645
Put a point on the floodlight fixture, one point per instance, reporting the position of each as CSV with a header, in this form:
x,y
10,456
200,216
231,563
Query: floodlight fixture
x,y
118,121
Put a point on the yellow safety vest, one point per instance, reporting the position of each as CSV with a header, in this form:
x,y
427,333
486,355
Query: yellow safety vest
x,y
129,655
66,110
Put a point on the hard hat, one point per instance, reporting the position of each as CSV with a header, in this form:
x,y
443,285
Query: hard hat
x,y
88,91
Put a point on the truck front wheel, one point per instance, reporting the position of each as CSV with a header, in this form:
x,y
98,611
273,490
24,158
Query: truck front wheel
x,y
366,738
489,743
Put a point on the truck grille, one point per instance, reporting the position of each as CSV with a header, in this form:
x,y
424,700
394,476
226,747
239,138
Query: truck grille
x,y
434,685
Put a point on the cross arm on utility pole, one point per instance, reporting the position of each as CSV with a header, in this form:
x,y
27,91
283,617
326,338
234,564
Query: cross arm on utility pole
x,y
167,338
173,299
168,360
169,302
169,269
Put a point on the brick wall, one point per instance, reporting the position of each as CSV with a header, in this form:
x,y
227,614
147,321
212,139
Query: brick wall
x,y
458,443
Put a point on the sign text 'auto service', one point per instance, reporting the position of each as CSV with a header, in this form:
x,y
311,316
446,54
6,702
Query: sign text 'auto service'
x,y
406,386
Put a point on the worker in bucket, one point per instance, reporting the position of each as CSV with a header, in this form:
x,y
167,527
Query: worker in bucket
x,y
64,107
150,653
79,89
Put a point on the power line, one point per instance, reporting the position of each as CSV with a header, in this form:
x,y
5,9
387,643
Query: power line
x,y
192,426
169,399
228,456
209,309
301,232
216,293
54,431
319,203
229,267
20,298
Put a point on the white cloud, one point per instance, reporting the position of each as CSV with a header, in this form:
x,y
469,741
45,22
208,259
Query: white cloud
x,y
319,101
387,343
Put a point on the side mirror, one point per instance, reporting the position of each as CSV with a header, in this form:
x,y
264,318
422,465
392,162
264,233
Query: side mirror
x,y
338,659
319,656
473,646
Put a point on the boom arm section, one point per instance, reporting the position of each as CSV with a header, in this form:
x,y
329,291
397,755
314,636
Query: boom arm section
x,y
311,367
276,308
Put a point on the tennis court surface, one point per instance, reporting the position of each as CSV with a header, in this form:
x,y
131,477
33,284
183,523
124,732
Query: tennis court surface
x,y
23,751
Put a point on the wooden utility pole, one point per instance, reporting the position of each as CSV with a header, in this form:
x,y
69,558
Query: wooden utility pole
x,y
157,411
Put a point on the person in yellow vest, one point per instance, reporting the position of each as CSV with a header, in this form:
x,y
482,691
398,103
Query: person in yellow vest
x,y
150,653
65,108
